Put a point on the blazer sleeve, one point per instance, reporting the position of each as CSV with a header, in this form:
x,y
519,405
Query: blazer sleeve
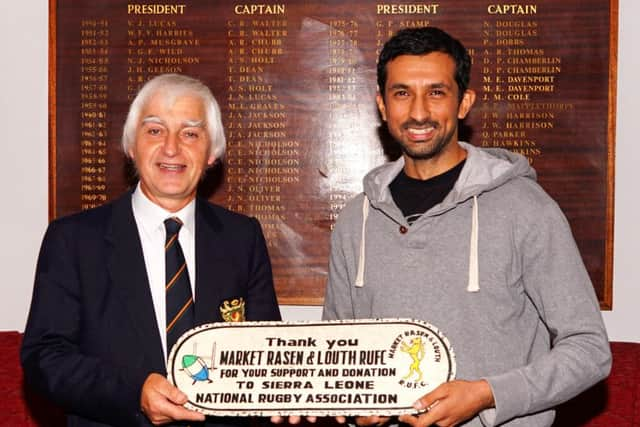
x,y
51,354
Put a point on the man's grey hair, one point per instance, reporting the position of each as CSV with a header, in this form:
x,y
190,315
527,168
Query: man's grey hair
x,y
174,85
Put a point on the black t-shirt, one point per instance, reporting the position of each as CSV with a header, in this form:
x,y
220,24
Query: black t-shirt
x,y
415,196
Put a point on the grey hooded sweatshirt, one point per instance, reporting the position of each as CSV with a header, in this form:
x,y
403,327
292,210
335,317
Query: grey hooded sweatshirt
x,y
494,267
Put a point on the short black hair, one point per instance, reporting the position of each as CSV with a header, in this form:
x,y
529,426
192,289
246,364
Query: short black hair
x,y
422,41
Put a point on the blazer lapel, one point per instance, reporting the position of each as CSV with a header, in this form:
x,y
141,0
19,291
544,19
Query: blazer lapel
x,y
210,258
129,277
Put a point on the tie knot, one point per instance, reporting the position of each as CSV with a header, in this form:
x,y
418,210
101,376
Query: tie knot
x,y
172,225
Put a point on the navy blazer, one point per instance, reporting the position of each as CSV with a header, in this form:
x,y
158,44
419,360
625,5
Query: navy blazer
x,y
92,338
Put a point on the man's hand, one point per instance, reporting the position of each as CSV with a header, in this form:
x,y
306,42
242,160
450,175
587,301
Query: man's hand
x,y
372,420
361,421
451,403
293,419
162,403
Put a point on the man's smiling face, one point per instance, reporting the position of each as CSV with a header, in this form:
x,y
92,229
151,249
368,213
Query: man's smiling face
x,y
421,104
171,151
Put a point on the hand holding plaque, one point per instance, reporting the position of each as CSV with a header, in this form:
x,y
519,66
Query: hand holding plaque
x,y
359,367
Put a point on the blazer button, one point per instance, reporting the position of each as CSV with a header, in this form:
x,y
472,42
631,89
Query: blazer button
x,y
403,229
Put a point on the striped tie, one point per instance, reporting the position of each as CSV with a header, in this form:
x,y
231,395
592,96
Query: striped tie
x,y
178,289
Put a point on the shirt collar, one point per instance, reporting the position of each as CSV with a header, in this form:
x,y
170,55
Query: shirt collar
x,y
151,216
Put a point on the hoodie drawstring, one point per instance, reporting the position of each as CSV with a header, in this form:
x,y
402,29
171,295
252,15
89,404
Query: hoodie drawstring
x,y
474,282
360,273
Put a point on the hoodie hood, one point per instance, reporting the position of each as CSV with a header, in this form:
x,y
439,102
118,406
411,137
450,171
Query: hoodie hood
x,y
484,170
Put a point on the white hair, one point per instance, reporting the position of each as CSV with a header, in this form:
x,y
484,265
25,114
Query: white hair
x,y
173,85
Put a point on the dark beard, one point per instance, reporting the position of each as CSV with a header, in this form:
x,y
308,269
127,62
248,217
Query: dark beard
x,y
440,144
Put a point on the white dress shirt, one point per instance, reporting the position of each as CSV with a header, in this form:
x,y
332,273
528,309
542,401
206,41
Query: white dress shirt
x,y
150,221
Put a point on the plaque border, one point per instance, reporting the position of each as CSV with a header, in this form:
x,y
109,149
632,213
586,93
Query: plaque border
x,y
53,66
607,302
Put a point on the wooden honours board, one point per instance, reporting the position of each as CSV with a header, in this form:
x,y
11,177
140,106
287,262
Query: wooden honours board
x,y
296,84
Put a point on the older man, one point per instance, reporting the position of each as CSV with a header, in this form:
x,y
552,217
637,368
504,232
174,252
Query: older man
x,y
116,285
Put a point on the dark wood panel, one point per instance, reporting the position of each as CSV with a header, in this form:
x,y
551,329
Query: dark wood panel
x,y
296,84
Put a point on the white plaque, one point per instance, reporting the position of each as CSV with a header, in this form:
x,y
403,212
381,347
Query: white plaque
x,y
329,368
